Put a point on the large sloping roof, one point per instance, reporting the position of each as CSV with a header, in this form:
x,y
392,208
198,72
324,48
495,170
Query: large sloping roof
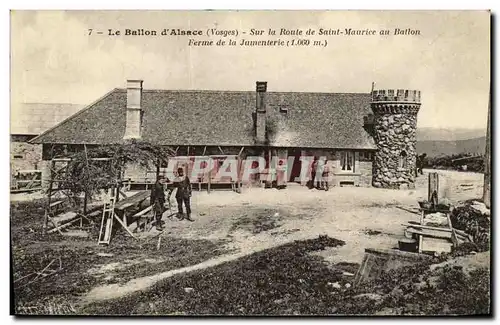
x,y
173,117
35,118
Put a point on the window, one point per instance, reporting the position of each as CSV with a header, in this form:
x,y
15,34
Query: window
x,y
403,160
365,156
347,161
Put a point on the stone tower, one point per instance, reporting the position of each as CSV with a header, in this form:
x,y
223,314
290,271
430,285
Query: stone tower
x,y
395,125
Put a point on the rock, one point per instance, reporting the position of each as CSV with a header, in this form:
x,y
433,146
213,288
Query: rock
x,y
480,207
188,290
347,285
105,254
348,273
335,285
372,296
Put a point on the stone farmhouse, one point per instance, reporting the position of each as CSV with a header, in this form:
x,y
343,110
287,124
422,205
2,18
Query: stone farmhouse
x,y
29,120
368,139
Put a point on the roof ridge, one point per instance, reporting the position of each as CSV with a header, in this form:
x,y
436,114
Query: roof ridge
x,y
246,91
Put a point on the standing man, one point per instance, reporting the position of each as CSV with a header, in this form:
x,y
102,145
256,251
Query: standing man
x,y
421,163
183,194
157,199
314,166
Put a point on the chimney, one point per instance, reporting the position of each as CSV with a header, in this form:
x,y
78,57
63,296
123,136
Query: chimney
x,y
260,125
133,124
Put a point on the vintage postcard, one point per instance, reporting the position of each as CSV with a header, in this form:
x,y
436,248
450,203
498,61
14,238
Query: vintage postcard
x,y
250,163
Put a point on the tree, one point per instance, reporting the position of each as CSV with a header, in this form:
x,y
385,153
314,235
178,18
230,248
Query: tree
x,y
88,175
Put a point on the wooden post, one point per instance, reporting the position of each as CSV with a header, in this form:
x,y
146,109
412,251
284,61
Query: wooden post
x,y
158,168
209,181
433,188
487,160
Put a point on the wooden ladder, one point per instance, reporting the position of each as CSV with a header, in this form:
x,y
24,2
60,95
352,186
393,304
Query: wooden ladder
x,y
107,221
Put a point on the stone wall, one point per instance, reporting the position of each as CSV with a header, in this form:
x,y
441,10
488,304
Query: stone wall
x,y
395,135
24,156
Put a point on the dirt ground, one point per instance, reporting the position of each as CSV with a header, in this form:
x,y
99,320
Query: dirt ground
x,y
260,218
363,217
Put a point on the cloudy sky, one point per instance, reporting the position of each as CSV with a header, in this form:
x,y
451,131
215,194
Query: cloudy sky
x,y
53,58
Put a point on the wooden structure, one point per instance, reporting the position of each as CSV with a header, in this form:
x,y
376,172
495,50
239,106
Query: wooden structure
x,y
60,198
58,195
26,181
434,233
376,261
207,178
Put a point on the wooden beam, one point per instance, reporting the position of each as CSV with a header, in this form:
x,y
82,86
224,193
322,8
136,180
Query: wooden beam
x,y
427,234
433,187
176,149
239,153
123,225
63,226
220,149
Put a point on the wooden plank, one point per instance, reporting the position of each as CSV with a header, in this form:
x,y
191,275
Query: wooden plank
x,y
59,228
134,199
428,233
143,212
63,217
436,245
426,227
56,203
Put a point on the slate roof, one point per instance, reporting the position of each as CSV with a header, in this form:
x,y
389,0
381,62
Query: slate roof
x,y
222,118
35,118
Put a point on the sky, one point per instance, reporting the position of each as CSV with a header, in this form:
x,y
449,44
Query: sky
x,y
55,60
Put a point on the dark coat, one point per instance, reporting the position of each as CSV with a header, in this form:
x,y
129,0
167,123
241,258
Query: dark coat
x,y
183,187
158,197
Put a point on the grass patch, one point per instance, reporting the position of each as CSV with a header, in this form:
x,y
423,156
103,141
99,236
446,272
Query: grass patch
x,y
258,222
281,280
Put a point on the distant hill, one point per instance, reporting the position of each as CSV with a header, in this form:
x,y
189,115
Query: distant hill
x,y
442,148
434,134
